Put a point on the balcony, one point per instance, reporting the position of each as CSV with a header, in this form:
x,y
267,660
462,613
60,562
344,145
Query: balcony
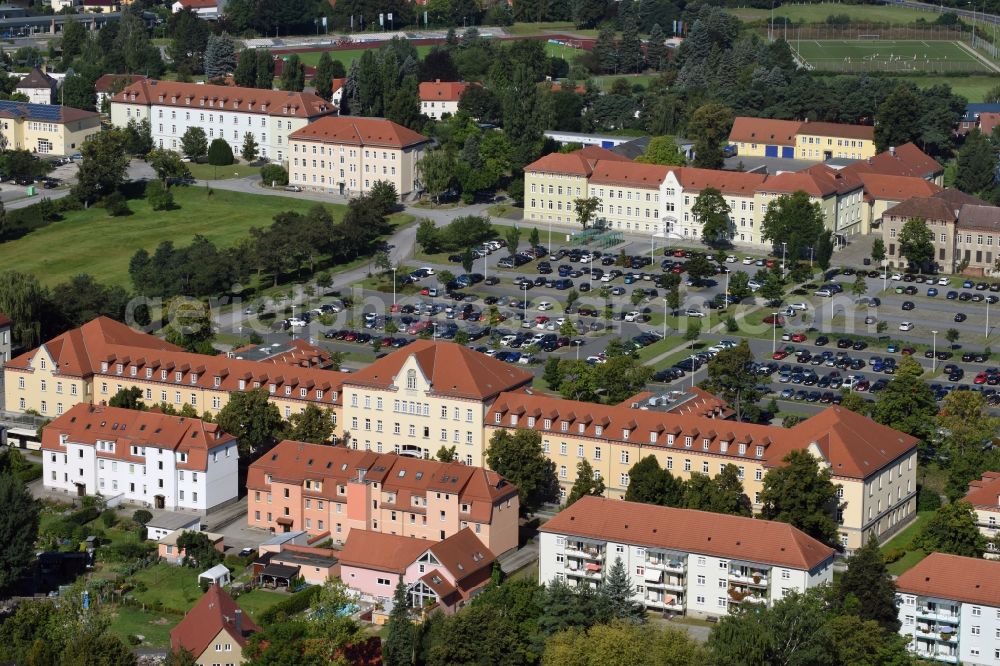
x,y
666,602
742,594
590,551
588,571
749,576
673,565
940,613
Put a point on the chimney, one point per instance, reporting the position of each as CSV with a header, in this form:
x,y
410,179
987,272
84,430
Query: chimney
x,y
892,150
238,622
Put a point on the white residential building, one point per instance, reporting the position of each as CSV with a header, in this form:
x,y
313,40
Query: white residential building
x,y
440,98
949,606
984,496
146,458
226,112
680,560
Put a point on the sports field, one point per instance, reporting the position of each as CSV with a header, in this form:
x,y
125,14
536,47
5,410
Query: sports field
x,y
887,55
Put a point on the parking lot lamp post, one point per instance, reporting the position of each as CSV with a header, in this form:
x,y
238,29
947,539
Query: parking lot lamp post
x,y
885,274
810,256
987,317
774,332
727,289
784,246
394,287
934,352
485,265
525,290
292,328
664,317
652,245
590,273
550,235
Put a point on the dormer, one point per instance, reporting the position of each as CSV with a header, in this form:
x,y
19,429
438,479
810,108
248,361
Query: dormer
x,y
161,97
173,99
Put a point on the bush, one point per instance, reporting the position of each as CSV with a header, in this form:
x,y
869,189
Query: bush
x,y
296,603
731,324
927,500
219,153
84,515
893,555
273,174
116,205
159,197
109,517
142,516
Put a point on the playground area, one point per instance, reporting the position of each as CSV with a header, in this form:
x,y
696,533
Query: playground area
x,y
871,54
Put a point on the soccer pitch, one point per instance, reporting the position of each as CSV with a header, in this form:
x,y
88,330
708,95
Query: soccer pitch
x,y
886,55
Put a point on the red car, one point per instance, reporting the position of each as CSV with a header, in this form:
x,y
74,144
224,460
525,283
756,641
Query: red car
x,y
799,337
677,268
907,351
779,355
769,263
771,319
678,253
980,378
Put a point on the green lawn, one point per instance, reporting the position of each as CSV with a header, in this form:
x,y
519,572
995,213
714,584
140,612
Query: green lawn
x,y
153,627
563,27
817,13
209,172
257,601
605,82
175,587
89,241
973,88
657,348
904,541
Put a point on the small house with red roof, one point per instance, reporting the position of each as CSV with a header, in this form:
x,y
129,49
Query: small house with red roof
x,y
438,97
205,9
215,631
984,496
445,574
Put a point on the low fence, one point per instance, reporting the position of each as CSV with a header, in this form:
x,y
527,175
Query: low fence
x,y
865,31
896,66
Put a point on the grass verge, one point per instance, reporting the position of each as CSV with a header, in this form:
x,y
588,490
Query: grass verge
x,y
209,172
904,541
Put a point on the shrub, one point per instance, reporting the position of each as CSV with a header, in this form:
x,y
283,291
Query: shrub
x,y
927,500
893,555
273,174
296,603
731,324
159,197
219,153
142,516
109,517
84,515
116,205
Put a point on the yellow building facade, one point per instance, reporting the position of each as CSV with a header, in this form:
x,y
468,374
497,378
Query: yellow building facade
x,y
47,129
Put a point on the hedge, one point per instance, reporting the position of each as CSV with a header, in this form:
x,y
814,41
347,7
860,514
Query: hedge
x,y
296,603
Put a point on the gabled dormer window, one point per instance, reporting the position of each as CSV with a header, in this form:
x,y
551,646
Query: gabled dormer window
x,y
723,446
194,377
652,437
704,444
243,384
271,388
163,375
760,451
687,442
288,390
303,393
133,371
498,417
149,373
319,394
670,440
104,366
513,419
598,431
743,449
217,382
531,421
625,433
548,424
119,368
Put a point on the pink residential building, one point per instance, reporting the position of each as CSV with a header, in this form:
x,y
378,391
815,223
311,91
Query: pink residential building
x,y
445,574
333,490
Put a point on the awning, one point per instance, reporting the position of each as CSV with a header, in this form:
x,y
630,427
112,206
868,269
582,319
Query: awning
x,y
284,520
593,567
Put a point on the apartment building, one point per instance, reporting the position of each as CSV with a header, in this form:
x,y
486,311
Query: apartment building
x,y
227,112
554,181
333,490
147,458
440,98
681,561
443,575
46,129
348,154
840,196
629,193
984,495
949,607
93,362
966,231
426,396
803,140
906,160
874,465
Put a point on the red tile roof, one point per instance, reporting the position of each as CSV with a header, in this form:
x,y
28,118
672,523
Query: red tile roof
x,y
75,351
207,97
294,462
929,208
905,160
85,423
198,4
884,187
690,531
764,130
106,81
854,445
841,130
464,556
577,163
728,182
965,579
984,493
357,131
451,369
382,552
442,91
214,612
629,174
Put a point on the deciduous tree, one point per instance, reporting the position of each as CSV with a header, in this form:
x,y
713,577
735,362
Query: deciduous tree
x,y
730,378
194,143
712,211
519,458
869,582
650,484
794,220
708,128
312,424
104,165
916,242
800,492
252,418
907,403
953,529
586,209
585,483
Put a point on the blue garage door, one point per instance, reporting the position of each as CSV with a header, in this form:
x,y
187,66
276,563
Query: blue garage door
x,y
788,152
770,151
607,144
